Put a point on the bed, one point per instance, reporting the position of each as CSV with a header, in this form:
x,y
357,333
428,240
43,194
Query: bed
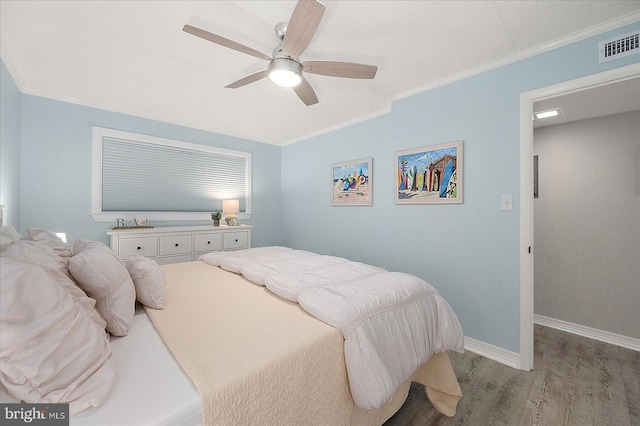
x,y
150,387
224,350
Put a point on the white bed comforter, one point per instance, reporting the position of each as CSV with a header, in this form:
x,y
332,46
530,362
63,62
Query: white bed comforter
x,y
392,322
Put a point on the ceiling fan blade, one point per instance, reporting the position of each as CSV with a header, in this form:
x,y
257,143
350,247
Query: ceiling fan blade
x,y
305,93
340,69
224,42
302,25
247,80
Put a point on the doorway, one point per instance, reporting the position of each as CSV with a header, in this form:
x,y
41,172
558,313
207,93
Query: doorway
x,y
526,190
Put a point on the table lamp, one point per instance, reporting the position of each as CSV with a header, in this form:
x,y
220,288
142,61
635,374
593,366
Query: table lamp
x,y
230,208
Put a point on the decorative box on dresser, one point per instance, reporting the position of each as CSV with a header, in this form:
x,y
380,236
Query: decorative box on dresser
x,y
175,244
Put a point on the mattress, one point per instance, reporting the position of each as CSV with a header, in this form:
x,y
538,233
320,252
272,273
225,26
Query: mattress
x,y
258,359
150,387
254,358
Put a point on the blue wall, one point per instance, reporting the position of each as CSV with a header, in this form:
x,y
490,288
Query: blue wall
x,y
56,168
470,251
9,148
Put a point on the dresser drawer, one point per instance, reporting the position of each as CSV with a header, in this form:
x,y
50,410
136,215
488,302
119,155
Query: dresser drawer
x,y
144,246
175,244
236,240
207,242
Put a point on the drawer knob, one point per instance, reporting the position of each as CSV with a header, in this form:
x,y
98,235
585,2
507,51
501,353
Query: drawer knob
x,y
139,248
176,244
236,240
208,242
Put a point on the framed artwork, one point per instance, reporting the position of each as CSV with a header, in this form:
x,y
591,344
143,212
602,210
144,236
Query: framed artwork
x,y
429,175
352,183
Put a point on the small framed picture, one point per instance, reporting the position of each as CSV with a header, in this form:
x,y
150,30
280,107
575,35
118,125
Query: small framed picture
x,y
352,183
429,175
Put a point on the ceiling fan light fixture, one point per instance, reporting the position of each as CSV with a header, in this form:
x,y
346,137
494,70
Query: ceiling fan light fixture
x,y
285,66
285,72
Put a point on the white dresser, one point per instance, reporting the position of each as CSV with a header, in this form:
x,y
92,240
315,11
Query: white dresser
x,y
175,244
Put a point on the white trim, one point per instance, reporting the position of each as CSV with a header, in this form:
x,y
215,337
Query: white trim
x,y
159,217
526,233
11,65
120,134
564,41
526,189
591,333
96,177
360,119
524,54
495,353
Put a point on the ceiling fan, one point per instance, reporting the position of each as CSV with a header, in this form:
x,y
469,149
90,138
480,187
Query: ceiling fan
x,y
285,68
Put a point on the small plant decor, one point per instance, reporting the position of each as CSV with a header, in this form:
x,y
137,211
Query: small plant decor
x,y
216,215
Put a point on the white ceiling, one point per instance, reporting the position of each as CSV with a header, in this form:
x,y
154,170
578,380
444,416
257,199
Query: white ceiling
x,y
133,57
609,99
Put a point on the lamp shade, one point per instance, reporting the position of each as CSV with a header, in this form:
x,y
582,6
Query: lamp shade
x,y
230,206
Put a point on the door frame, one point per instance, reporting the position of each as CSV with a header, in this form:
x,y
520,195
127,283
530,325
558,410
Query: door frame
x,y
526,189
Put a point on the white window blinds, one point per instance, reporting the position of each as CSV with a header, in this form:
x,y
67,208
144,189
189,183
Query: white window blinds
x,y
140,173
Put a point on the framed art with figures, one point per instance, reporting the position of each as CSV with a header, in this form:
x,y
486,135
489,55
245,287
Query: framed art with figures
x,y
429,175
352,183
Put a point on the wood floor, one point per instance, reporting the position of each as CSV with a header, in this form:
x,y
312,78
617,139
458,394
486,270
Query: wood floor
x,y
576,381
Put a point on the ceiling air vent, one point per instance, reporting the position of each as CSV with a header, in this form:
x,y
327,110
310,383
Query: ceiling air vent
x,y
619,47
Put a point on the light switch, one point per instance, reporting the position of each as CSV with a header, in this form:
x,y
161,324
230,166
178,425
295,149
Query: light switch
x,y
506,202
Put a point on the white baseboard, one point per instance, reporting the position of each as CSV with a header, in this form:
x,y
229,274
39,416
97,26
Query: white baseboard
x,y
495,353
592,333
512,359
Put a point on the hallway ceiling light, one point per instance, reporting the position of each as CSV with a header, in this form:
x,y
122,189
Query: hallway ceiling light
x,y
548,113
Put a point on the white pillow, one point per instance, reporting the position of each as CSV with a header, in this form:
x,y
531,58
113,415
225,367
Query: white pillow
x,y
50,350
36,254
79,245
45,257
80,297
148,280
104,277
8,234
50,239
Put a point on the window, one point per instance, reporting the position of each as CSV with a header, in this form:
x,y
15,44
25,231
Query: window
x,y
139,176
